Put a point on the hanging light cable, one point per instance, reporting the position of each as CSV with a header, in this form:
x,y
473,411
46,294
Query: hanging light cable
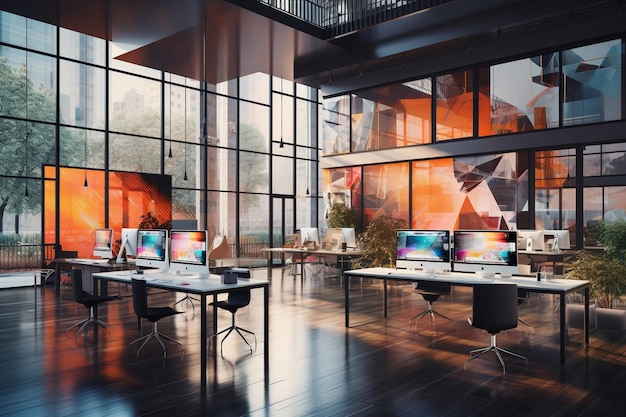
x,y
169,155
85,183
282,144
185,150
26,193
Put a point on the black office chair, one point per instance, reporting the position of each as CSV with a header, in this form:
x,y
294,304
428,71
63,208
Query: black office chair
x,y
431,291
494,309
88,300
153,314
236,300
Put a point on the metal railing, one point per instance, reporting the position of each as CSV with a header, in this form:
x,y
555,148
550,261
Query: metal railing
x,y
338,17
20,257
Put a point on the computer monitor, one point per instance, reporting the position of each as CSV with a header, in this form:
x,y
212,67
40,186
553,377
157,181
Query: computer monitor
x,y
309,235
128,246
188,252
152,249
530,240
557,240
428,250
493,251
336,235
103,243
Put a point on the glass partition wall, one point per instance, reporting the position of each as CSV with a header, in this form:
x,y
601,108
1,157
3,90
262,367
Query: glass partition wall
x,y
226,149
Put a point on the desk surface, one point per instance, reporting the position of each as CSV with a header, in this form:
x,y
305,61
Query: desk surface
x,y
457,278
192,284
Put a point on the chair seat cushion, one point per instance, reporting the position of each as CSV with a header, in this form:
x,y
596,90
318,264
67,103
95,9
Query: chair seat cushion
x,y
157,313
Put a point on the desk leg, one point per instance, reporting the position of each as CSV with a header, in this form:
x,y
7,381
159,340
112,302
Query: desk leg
x,y
266,332
203,341
586,323
57,280
346,298
562,326
385,297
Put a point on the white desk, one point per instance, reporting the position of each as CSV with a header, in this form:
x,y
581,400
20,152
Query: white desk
x,y
88,267
562,287
342,257
203,287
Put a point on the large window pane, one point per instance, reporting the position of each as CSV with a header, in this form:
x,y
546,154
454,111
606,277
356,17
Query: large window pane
x,y
25,147
282,175
255,87
336,125
455,109
135,105
306,123
128,153
523,95
253,172
81,148
254,127
83,90
386,191
592,83
80,47
253,216
392,116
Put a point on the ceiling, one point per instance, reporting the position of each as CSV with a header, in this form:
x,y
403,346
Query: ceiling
x,y
215,40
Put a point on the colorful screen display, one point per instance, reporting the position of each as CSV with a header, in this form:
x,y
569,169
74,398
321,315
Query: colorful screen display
x,y
423,245
484,249
103,243
152,244
189,247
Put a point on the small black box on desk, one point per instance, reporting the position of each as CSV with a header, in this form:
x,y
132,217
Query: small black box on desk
x,y
229,276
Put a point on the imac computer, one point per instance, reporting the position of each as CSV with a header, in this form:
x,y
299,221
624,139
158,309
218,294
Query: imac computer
x,y
336,236
103,243
188,252
530,240
308,236
152,249
488,251
428,250
128,247
557,240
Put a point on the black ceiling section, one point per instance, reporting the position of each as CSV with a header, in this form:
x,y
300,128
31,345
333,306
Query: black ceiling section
x,y
216,40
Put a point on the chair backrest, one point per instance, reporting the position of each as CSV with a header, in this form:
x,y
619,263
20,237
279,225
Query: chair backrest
x,y
77,284
432,286
494,307
240,298
140,297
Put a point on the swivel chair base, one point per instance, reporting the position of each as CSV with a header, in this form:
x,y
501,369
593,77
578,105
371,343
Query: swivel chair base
x,y
156,335
429,311
82,325
493,348
238,329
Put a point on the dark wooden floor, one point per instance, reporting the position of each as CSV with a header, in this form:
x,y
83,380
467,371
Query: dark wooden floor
x,y
317,367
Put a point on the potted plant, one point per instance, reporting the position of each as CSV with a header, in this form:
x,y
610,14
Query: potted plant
x,y
606,274
340,216
378,242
